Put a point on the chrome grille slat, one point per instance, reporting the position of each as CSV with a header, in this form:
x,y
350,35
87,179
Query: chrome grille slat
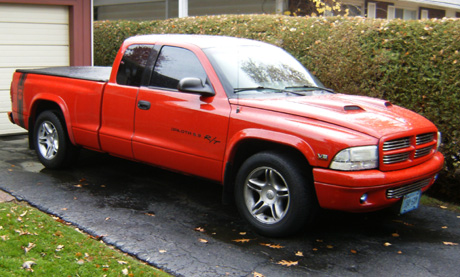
x,y
401,191
424,138
396,144
395,158
423,152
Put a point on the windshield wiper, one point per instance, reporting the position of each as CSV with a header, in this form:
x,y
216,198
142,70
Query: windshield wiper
x,y
311,87
236,90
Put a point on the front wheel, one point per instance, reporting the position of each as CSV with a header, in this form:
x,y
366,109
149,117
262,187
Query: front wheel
x,y
274,194
52,145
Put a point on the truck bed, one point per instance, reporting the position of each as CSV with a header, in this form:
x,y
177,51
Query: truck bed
x,y
90,73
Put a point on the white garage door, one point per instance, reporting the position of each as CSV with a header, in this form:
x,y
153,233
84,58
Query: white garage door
x,y
31,36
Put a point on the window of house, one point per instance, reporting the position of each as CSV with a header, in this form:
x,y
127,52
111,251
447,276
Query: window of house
x,y
133,64
405,14
174,64
371,10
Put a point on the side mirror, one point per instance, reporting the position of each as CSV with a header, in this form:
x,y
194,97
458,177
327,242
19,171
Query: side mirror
x,y
194,85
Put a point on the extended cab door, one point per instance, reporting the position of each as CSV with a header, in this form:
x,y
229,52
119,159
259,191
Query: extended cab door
x,y
119,101
180,131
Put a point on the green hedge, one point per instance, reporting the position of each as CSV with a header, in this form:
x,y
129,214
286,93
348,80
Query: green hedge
x,y
414,64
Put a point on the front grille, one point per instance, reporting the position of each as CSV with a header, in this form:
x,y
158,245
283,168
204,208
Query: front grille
x,y
424,138
396,158
423,152
405,149
396,144
401,191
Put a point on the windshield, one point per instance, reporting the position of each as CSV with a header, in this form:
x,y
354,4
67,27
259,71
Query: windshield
x,y
261,69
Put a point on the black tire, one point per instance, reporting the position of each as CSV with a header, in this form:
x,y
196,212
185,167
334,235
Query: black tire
x,y
275,194
51,142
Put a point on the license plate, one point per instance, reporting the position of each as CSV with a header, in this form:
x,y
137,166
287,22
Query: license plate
x,y
410,201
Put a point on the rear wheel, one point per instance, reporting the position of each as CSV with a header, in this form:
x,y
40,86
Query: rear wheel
x,y
52,145
274,194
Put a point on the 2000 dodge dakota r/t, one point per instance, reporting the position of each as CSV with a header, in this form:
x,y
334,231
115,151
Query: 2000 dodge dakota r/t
x,y
240,112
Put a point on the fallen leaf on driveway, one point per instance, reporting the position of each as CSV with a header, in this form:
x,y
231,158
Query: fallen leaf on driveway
x,y
199,229
241,240
288,263
449,243
299,254
353,251
395,235
275,246
387,244
203,241
256,274
443,207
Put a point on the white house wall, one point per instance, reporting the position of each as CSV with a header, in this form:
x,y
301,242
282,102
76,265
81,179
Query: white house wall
x,y
156,10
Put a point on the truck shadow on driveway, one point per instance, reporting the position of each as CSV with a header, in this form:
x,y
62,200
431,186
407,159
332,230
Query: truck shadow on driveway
x,y
179,224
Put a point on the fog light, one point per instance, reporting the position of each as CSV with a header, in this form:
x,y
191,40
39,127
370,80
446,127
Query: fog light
x,y
363,198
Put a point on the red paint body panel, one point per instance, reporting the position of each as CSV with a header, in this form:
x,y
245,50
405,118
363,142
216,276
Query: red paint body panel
x,y
200,135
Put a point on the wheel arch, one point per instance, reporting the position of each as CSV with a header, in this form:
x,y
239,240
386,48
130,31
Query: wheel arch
x,y
250,143
49,103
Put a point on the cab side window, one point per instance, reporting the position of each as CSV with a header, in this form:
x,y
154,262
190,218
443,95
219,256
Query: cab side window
x,y
133,64
174,64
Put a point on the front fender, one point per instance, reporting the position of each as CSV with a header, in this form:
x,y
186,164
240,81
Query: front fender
x,y
269,136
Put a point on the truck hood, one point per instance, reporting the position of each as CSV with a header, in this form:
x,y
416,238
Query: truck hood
x,y
371,116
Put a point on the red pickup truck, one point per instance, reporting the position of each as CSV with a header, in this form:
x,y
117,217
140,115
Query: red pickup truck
x,y
242,113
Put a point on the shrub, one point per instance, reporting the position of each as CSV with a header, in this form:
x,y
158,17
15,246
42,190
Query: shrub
x,y
414,64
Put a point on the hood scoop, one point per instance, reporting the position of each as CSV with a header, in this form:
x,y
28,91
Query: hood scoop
x,y
352,108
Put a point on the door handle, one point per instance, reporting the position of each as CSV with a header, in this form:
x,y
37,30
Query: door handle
x,y
143,105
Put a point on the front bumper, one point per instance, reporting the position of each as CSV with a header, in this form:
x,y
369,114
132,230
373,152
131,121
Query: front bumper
x,y
342,190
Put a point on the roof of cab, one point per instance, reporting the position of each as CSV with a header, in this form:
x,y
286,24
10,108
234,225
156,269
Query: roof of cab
x,y
202,41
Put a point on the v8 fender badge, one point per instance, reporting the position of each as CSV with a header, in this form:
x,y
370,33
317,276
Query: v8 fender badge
x,y
323,157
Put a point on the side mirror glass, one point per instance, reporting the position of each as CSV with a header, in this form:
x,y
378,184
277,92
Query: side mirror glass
x,y
195,85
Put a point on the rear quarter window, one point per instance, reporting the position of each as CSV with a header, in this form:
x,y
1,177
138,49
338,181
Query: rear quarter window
x,y
133,64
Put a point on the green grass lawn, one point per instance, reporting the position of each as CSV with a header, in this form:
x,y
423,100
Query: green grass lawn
x,y
34,241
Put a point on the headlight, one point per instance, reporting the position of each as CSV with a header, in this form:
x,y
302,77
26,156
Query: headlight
x,y
356,158
439,141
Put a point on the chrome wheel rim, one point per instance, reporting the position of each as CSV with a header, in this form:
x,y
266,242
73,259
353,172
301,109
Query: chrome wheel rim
x,y
266,195
48,140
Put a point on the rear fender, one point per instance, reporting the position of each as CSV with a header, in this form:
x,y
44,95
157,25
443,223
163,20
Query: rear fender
x,y
49,97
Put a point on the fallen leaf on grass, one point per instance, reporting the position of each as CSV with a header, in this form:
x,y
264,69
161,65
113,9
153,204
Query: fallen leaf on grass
x,y
449,243
28,247
59,248
288,263
275,246
125,271
5,238
122,262
80,262
28,265
23,214
23,233
241,240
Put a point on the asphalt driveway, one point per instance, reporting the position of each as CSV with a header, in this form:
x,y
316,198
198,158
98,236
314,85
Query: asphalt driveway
x,y
177,223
